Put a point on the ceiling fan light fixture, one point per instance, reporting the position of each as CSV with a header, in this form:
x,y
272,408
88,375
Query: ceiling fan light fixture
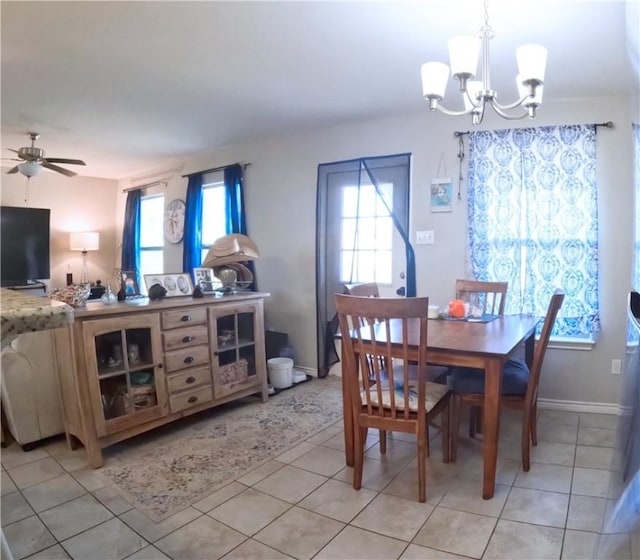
x,y
29,168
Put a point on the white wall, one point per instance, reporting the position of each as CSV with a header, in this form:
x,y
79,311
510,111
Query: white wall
x,y
77,204
281,201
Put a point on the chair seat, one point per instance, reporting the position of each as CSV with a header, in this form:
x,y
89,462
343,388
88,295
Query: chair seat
x,y
515,377
434,394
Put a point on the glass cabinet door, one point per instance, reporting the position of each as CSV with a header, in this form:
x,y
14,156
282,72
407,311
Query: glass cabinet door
x,y
128,378
235,342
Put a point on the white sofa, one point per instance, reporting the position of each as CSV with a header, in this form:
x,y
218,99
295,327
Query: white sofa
x,y
30,393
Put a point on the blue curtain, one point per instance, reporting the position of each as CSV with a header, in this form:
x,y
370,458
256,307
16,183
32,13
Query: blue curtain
x,y
533,219
192,250
131,234
234,197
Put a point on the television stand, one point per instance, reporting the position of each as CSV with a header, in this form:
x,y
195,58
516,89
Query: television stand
x,y
29,285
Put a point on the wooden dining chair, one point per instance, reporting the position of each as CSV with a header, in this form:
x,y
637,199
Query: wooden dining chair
x,y
489,297
388,399
519,386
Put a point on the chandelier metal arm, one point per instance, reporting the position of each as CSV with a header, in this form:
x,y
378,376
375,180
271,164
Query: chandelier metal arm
x,y
501,111
449,112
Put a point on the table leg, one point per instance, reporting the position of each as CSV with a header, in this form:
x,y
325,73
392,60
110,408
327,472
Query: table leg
x,y
491,425
346,414
529,348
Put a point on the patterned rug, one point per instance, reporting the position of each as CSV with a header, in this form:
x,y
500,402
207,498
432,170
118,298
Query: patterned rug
x,y
167,470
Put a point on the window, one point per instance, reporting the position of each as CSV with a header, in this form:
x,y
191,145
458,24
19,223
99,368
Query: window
x,y
214,218
151,236
366,232
533,220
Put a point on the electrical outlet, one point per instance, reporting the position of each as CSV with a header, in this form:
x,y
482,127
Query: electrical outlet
x,y
425,237
616,367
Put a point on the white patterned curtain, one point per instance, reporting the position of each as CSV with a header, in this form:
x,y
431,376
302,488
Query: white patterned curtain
x,y
533,219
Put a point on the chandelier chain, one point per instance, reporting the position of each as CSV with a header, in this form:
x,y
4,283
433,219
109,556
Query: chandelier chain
x,y
487,26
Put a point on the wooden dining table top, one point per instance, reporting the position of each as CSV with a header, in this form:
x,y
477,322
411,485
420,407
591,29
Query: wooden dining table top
x,y
493,338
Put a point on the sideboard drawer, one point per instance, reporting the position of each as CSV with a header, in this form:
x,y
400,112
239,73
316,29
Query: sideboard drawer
x,y
184,318
188,380
190,398
186,358
182,338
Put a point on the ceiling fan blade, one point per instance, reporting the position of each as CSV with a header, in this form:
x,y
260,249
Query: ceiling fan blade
x,y
13,170
64,160
12,150
58,169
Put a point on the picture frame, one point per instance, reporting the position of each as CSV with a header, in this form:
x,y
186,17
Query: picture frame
x,y
441,194
129,283
176,284
206,279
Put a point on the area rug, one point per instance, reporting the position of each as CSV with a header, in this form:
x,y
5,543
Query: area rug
x,y
163,475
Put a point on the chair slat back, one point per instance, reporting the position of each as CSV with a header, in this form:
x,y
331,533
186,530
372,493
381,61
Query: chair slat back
x,y
490,297
541,346
368,349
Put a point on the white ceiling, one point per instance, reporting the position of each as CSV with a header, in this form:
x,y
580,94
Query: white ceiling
x,y
133,86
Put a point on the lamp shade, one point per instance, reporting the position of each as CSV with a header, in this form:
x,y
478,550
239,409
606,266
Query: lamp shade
x,y
532,62
84,241
434,79
464,51
29,168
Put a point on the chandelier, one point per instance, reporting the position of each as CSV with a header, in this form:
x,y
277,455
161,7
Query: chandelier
x,y
464,51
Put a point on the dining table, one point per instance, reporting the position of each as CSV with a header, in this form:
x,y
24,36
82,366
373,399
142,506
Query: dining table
x,y
485,345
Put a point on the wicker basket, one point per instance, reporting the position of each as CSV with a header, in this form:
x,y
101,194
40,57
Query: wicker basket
x,y
234,373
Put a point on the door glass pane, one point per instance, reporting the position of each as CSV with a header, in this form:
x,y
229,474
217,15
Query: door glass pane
x,y
366,234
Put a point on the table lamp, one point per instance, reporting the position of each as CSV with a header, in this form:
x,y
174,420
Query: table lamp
x,y
84,241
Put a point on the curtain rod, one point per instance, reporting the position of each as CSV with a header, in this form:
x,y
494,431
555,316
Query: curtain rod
x,y
222,167
608,124
138,187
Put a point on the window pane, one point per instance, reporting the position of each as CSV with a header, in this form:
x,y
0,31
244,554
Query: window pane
x,y
151,215
151,262
371,234
214,221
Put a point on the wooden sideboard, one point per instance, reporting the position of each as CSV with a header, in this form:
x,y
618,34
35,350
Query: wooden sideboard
x,y
129,367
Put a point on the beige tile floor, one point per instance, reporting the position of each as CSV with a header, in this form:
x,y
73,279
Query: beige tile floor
x,y
302,505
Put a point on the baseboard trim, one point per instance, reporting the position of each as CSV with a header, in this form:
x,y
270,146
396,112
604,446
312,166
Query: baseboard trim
x,y
309,371
550,404
581,406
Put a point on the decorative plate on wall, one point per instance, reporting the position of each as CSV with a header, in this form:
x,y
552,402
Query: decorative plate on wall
x,y
174,221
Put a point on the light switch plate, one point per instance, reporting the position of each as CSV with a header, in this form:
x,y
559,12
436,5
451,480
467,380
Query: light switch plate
x,y
425,237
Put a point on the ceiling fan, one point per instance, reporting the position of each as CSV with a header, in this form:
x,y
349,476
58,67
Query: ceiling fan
x,y
33,160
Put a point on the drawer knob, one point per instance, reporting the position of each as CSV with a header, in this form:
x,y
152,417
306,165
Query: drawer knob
x,y
193,399
185,318
188,359
187,339
190,379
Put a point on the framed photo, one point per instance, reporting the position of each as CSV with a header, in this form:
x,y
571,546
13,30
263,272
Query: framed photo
x,y
176,284
206,279
441,193
129,283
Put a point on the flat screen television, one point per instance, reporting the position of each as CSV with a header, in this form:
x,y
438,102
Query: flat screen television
x,y
24,245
